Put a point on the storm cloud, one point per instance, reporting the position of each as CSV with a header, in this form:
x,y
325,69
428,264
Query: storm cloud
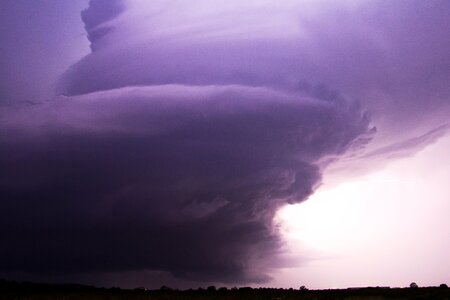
x,y
173,178
173,143
393,57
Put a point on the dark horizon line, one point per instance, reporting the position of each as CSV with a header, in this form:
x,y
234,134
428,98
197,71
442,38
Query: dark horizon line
x,y
70,286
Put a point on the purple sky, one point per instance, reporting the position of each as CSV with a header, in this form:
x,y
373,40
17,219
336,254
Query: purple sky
x,y
175,142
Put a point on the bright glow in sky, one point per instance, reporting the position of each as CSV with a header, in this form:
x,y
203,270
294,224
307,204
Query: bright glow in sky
x,y
390,227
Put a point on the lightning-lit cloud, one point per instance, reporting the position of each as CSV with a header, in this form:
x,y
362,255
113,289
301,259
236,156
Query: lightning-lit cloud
x,y
173,143
173,178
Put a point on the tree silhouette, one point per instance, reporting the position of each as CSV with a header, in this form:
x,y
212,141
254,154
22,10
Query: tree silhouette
x,y
211,288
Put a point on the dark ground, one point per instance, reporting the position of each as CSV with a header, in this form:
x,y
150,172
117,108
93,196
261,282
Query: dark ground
x,y
33,291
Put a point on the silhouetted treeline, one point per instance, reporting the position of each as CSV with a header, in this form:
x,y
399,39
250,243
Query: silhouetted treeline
x,y
34,291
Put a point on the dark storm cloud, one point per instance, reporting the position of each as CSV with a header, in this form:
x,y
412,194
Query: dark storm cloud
x,y
188,126
171,178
